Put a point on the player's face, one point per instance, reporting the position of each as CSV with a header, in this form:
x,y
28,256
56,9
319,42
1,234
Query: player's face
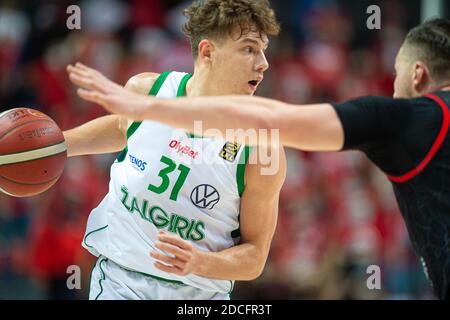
x,y
239,63
403,76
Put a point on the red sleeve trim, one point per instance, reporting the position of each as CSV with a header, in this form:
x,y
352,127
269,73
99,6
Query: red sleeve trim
x,y
434,148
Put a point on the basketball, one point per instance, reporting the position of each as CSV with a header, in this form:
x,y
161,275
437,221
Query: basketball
x,y
32,152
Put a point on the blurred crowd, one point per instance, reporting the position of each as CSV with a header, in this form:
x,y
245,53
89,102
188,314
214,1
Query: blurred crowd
x,y
337,211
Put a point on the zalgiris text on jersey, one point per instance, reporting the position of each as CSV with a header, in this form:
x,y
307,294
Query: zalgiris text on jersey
x,y
188,229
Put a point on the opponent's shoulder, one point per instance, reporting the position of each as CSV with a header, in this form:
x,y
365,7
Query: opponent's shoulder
x,y
142,82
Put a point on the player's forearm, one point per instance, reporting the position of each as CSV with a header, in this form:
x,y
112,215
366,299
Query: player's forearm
x,y
102,135
243,262
220,114
263,121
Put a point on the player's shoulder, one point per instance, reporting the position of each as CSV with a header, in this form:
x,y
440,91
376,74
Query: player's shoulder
x,y
142,82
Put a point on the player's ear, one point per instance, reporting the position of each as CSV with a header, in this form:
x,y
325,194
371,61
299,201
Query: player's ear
x,y
421,77
205,50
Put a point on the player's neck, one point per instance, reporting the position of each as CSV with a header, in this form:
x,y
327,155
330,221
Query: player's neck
x,y
194,86
200,84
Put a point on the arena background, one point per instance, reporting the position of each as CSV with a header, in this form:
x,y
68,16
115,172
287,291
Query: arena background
x,y
337,211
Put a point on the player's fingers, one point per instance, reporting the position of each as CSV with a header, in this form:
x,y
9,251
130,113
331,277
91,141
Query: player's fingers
x,y
168,269
93,96
76,79
87,72
91,78
71,69
168,260
83,67
81,81
85,79
176,251
107,85
175,240
95,74
87,82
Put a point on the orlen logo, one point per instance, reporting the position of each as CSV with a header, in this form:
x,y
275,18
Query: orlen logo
x,y
139,164
179,148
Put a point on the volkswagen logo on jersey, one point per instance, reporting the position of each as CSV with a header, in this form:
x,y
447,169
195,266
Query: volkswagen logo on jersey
x,y
205,196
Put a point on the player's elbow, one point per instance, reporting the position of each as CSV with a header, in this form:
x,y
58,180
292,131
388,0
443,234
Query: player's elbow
x,y
257,266
256,271
121,142
121,137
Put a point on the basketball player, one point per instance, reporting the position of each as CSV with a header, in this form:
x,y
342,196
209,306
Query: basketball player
x,y
406,137
185,216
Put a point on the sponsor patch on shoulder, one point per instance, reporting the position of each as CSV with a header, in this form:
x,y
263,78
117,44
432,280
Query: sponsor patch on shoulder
x,y
229,151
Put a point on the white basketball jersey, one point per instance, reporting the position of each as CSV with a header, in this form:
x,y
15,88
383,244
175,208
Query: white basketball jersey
x,y
166,179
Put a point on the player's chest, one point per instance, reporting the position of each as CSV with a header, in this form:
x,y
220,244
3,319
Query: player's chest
x,y
170,162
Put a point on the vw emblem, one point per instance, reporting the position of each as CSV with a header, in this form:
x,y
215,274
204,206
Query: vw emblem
x,y
205,196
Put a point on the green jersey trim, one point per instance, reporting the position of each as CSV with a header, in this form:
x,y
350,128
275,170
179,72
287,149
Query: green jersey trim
x,y
159,278
240,179
231,289
90,276
132,129
182,93
158,83
182,87
85,238
102,278
135,125
240,172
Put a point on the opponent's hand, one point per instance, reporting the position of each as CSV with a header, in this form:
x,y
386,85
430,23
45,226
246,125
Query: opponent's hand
x,y
184,254
95,87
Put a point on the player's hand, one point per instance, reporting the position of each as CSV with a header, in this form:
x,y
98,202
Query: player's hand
x,y
95,87
183,257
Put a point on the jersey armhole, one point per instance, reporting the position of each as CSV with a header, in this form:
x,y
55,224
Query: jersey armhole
x,y
134,125
240,179
240,172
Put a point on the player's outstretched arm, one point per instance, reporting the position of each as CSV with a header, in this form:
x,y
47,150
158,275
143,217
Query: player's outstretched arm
x,y
102,135
310,127
106,134
258,219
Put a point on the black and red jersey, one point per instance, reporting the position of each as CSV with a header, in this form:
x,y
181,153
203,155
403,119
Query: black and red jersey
x,y
408,139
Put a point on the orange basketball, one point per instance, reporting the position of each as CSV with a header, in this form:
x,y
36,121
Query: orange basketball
x,y
32,152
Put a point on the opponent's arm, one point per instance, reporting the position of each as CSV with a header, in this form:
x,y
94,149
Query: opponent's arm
x,y
308,127
258,219
106,134
312,127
